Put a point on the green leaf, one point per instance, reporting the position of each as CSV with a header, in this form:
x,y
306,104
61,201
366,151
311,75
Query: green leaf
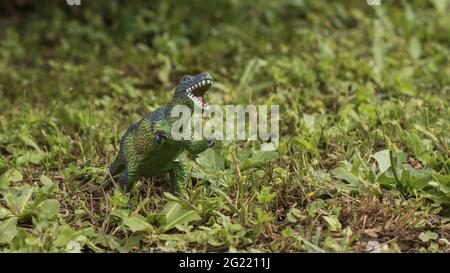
x,y
428,236
64,235
13,175
258,158
294,215
4,182
170,196
265,196
48,209
262,216
34,157
120,213
5,213
30,142
287,232
344,174
313,122
17,198
436,196
383,161
8,230
301,144
49,186
441,187
119,199
355,184
211,159
73,247
444,179
406,88
315,207
137,223
45,180
419,179
333,223
177,215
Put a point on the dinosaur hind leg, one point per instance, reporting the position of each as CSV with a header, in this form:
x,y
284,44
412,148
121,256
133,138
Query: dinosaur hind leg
x,y
178,177
128,177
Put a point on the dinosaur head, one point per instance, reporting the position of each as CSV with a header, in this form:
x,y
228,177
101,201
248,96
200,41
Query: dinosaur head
x,y
192,89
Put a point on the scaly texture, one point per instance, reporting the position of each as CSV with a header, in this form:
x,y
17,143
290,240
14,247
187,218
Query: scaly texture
x,y
148,148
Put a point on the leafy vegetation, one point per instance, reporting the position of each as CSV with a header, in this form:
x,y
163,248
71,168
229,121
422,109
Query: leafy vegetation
x,y
364,159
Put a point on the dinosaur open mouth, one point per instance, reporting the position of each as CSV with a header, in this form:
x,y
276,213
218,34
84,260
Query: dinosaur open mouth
x,y
196,92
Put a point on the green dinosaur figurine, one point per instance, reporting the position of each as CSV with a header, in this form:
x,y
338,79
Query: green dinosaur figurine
x,y
148,149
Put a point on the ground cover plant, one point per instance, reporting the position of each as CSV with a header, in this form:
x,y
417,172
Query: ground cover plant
x,y
364,158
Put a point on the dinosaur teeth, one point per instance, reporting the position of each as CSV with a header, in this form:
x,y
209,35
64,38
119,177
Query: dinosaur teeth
x,y
194,99
199,84
199,102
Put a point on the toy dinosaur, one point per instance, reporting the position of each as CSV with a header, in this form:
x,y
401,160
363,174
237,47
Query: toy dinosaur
x,y
147,147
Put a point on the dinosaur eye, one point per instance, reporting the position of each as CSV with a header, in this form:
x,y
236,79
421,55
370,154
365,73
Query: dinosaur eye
x,y
186,78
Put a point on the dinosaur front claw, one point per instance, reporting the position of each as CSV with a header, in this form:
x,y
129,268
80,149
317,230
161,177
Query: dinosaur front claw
x,y
160,136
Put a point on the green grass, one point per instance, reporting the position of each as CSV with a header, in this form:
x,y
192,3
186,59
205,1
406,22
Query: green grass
x,y
364,101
